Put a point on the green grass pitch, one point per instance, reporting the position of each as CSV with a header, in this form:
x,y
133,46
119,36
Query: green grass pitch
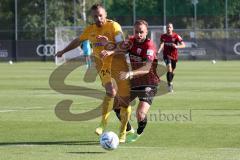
x,y
199,121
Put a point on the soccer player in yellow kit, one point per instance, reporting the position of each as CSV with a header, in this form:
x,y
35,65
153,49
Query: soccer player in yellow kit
x,y
108,65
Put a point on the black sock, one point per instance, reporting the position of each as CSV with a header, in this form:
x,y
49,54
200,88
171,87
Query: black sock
x,y
117,111
170,76
141,125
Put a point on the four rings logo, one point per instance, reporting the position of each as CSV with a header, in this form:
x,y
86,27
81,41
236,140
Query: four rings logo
x,y
45,50
236,48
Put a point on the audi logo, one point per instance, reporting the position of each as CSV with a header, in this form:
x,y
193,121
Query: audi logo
x,y
236,48
45,50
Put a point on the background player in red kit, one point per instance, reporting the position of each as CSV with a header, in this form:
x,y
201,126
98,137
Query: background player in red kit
x,y
144,79
169,43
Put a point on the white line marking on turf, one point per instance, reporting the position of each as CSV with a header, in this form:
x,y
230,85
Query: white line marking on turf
x,y
169,148
4,111
31,108
138,147
229,149
16,110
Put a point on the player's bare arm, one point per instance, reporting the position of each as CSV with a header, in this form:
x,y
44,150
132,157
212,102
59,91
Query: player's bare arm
x,y
103,39
120,47
140,71
161,47
181,45
74,44
114,50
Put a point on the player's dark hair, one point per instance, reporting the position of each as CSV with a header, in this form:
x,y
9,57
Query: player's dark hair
x,y
97,6
140,22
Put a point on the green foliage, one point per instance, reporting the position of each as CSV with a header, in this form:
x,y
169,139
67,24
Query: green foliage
x,y
6,18
234,14
211,7
210,14
179,8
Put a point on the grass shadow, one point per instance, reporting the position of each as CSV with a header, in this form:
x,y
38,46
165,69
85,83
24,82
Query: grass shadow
x,y
86,152
51,143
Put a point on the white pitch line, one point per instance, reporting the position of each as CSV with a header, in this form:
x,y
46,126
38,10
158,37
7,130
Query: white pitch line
x,y
229,149
4,111
17,110
31,108
135,147
138,147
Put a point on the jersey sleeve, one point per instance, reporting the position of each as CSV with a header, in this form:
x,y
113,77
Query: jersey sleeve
x,y
118,34
179,38
85,34
161,38
150,51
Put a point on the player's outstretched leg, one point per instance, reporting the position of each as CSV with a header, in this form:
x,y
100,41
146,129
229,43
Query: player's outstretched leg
x,y
134,136
129,127
125,113
170,76
141,114
107,106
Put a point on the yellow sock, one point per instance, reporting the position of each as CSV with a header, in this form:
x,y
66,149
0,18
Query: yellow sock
x,y
107,106
125,116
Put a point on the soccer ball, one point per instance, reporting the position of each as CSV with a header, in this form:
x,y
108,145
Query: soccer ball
x,y
214,62
10,62
109,140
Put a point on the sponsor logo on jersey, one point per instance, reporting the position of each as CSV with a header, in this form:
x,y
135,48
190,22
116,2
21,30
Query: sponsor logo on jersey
x,y
150,52
139,50
98,44
168,44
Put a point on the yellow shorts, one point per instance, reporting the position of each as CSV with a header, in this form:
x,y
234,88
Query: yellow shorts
x,y
110,72
105,75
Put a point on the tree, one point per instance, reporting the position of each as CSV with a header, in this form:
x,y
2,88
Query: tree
x,y
210,14
233,12
6,19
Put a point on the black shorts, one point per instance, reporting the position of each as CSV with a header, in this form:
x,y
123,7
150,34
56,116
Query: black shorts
x,y
168,61
144,93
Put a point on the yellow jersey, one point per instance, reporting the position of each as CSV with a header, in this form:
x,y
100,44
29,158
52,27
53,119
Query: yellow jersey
x,y
110,29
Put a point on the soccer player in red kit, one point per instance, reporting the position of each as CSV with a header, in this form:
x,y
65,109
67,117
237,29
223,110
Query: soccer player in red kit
x,y
144,78
169,43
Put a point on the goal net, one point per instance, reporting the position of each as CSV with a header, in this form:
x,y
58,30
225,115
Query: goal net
x,y
63,36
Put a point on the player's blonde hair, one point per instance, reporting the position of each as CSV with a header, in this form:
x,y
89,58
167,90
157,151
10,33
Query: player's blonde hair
x,y
140,22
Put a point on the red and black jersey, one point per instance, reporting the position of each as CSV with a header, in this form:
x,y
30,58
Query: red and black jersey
x,y
139,54
168,50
